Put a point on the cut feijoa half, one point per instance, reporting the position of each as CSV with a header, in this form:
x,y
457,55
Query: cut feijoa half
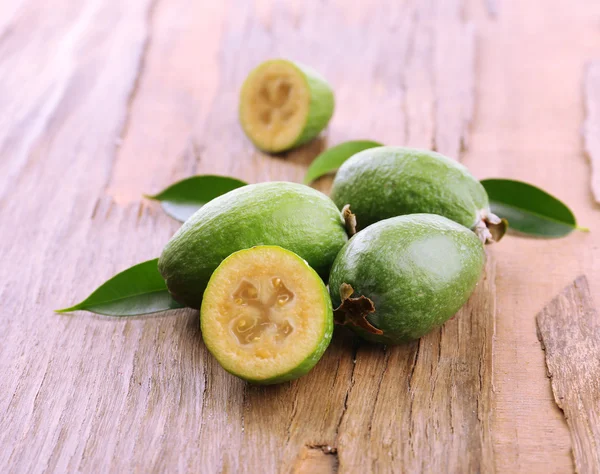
x,y
284,104
266,315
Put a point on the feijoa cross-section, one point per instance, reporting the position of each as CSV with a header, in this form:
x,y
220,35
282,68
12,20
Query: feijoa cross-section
x,y
284,104
266,315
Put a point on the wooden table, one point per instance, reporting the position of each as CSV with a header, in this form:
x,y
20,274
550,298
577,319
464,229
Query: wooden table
x,y
101,101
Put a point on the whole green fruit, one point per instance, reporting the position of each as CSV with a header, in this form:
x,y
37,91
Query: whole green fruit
x,y
398,279
384,182
290,215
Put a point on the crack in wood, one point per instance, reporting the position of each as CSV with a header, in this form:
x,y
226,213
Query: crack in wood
x,y
411,421
376,398
292,418
142,58
140,211
414,365
316,458
403,81
244,407
492,7
355,348
591,128
205,393
141,67
95,209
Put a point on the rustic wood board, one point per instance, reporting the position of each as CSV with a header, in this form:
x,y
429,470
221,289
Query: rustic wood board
x,y
591,131
529,114
569,330
92,120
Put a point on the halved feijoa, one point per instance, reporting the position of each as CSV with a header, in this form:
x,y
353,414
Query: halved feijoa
x,y
284,104
266,315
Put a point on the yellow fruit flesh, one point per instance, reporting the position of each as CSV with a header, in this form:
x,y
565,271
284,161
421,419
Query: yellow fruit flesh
x,y
263,313
274,105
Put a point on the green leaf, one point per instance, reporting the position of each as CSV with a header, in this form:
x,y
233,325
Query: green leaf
x,y
330,160
529,209
137,290
182,199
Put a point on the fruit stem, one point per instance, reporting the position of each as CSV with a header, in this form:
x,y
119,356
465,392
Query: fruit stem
x,y
349,219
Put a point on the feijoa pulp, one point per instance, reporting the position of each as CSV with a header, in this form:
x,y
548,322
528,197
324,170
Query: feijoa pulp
x,y
284,104
266,315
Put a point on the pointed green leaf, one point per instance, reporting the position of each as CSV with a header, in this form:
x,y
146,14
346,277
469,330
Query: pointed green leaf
x,y
137,290
330,160
529,209
182,199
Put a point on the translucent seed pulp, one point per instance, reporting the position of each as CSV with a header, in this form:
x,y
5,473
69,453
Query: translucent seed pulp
x,y
274,101
261,314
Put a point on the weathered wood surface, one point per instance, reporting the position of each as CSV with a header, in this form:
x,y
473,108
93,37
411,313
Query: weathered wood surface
x,y
591,133
569,330
102,101
529,114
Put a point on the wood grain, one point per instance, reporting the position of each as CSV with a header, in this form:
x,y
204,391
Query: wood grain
x,y
107,100
492,7
569,330
112,116
591,132
321,459
443,412
529,113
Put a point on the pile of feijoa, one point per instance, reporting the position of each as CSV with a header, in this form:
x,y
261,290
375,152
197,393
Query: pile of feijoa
x,y
257,260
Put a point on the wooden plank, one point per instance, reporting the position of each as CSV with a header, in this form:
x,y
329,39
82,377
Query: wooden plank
x,y
109,117
492,7
591,131
68,384
321,459
569,330
426,407
529,113
297,417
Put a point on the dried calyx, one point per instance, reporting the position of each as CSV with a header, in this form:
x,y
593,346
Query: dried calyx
x,y
489,227
354,311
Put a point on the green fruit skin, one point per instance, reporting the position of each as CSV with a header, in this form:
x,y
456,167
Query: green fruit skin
x,y
311,360
385,182
293,216
418,270
322,104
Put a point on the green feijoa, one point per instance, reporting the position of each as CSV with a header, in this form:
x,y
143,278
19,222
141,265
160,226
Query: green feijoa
x,y
293,216
284,104
266,315
384,182
401,277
